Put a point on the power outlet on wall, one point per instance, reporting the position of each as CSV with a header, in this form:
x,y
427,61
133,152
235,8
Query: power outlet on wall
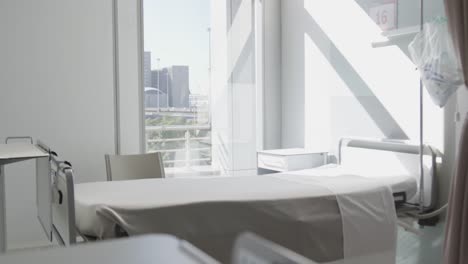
x,y
457,117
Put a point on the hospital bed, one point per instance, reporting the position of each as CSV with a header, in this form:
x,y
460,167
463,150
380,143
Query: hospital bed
x,y
326,214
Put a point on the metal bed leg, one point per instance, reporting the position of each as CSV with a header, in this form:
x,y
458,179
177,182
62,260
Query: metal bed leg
x,y
3,233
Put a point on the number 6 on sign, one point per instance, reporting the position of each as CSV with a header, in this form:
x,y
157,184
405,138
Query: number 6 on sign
x,y
384,15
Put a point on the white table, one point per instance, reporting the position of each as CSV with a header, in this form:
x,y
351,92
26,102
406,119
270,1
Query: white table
x,y
142,250
12,153
281,160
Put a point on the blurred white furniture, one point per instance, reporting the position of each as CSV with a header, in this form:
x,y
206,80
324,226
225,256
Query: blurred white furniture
x,y
12,153
134,167
142,250
281,160
252,249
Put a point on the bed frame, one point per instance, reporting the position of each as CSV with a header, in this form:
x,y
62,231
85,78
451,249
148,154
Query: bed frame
x,y
63,201
427,181
63,205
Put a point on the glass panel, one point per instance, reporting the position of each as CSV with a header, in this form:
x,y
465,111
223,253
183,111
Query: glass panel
x,y
199,85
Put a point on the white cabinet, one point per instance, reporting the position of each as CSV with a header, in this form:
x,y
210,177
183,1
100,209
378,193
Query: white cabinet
x,y
290,159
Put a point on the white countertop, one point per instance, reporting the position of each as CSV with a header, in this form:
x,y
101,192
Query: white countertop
x,y
20,151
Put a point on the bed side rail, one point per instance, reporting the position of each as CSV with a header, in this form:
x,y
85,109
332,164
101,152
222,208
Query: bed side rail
x,y
44,190
400,146
63,202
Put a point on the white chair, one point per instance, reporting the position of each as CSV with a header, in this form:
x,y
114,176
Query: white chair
x,y
134,167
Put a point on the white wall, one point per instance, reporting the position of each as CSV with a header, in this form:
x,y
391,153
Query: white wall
x,y
56,79
57,85
344,86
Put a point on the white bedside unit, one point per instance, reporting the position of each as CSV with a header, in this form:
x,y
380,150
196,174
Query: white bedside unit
x,y
280,160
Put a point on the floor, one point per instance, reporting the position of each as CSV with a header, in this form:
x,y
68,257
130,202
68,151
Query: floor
x,y
426,248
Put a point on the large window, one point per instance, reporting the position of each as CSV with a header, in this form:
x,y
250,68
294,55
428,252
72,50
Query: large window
x,y
198,84
176,80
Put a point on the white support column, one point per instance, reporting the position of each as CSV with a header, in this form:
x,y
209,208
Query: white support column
x,y
187,149
259,73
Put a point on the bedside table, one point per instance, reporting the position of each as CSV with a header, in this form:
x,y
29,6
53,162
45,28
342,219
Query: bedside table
x,y
280,160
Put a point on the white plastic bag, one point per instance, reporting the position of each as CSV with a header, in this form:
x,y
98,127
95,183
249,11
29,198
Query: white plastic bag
x,y
433,53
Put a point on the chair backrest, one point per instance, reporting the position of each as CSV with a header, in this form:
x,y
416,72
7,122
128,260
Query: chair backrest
x,y
134,167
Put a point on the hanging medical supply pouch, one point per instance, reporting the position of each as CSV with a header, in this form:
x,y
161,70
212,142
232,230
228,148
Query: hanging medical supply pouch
x,y
434,55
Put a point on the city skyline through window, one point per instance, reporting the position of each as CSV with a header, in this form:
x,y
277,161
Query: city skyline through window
x,y
177,82
177,34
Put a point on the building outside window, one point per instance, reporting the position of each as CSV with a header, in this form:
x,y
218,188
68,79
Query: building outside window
x,y
200,92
